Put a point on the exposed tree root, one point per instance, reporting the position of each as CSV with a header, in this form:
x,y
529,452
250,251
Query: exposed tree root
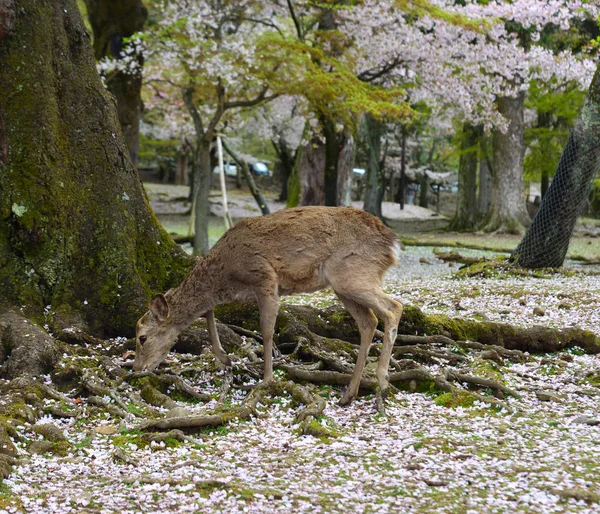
x,y
319,346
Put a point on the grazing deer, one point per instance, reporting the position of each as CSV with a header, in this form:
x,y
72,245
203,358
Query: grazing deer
x,y
291,251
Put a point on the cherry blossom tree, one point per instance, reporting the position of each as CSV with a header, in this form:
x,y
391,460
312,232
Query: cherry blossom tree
x,y
476,71
209,53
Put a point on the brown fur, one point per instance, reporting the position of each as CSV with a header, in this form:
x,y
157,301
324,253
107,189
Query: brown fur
x,y
291,251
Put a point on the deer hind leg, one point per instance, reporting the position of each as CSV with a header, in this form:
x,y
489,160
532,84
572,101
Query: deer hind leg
x,y
367,323
268,307
370,296
218,350
390,312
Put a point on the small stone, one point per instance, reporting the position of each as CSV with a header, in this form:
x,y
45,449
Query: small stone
x,y
106,430
586,420
177,412
565,305
41,447
423,260
522,301
545,396
50,432
538,311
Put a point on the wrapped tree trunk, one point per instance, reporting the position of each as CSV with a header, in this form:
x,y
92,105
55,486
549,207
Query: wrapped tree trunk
x,y
112,21
76,231
547,240
508,212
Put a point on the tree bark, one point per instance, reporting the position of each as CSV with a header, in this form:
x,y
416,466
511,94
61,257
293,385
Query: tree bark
x,y
485,178
311,164
375,184
547,240
508,213
76,231
202,182
345,165
465,218
332,151
112,21
286,165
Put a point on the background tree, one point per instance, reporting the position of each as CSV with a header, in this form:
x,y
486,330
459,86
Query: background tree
x,y
77,236
113,23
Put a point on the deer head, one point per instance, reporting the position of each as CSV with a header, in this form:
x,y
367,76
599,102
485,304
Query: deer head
x,y
155,335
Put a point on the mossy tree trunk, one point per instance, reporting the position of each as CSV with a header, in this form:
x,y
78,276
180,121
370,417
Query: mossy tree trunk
x,y
112,21
76,230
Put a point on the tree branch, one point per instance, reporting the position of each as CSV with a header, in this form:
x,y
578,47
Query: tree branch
x,y
296,20
193,110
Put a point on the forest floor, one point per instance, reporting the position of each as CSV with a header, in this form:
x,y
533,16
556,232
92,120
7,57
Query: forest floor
x,y
430,452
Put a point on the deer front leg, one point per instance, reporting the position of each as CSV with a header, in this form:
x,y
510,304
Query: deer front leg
x,y
268,307
214,337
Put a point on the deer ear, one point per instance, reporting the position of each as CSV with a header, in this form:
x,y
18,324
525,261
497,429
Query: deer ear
x,y
159,307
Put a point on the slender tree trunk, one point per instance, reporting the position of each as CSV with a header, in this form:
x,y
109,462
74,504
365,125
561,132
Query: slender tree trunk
x,y
547,240
112,21
508,212
345,165
424,191
401,191
182,163
332,152
76,231
286,160
466,208
201,197
485,179
375,185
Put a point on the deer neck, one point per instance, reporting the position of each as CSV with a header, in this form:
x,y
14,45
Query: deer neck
x,y
198,293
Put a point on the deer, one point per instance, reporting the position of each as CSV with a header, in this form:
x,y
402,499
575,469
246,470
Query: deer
x,y
260,259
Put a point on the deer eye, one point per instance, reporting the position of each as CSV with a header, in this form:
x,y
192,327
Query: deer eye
x,y
143,339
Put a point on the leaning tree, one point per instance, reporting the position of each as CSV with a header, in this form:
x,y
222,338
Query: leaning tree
x,y
77,236
546,242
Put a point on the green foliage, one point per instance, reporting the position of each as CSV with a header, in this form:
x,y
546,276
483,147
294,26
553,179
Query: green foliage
x,y
417,8
153,151
557,112
329,85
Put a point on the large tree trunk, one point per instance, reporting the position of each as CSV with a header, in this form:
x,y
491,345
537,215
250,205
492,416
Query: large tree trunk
x,y
547,240
375,183
508,212
76,231
112,21
466,208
